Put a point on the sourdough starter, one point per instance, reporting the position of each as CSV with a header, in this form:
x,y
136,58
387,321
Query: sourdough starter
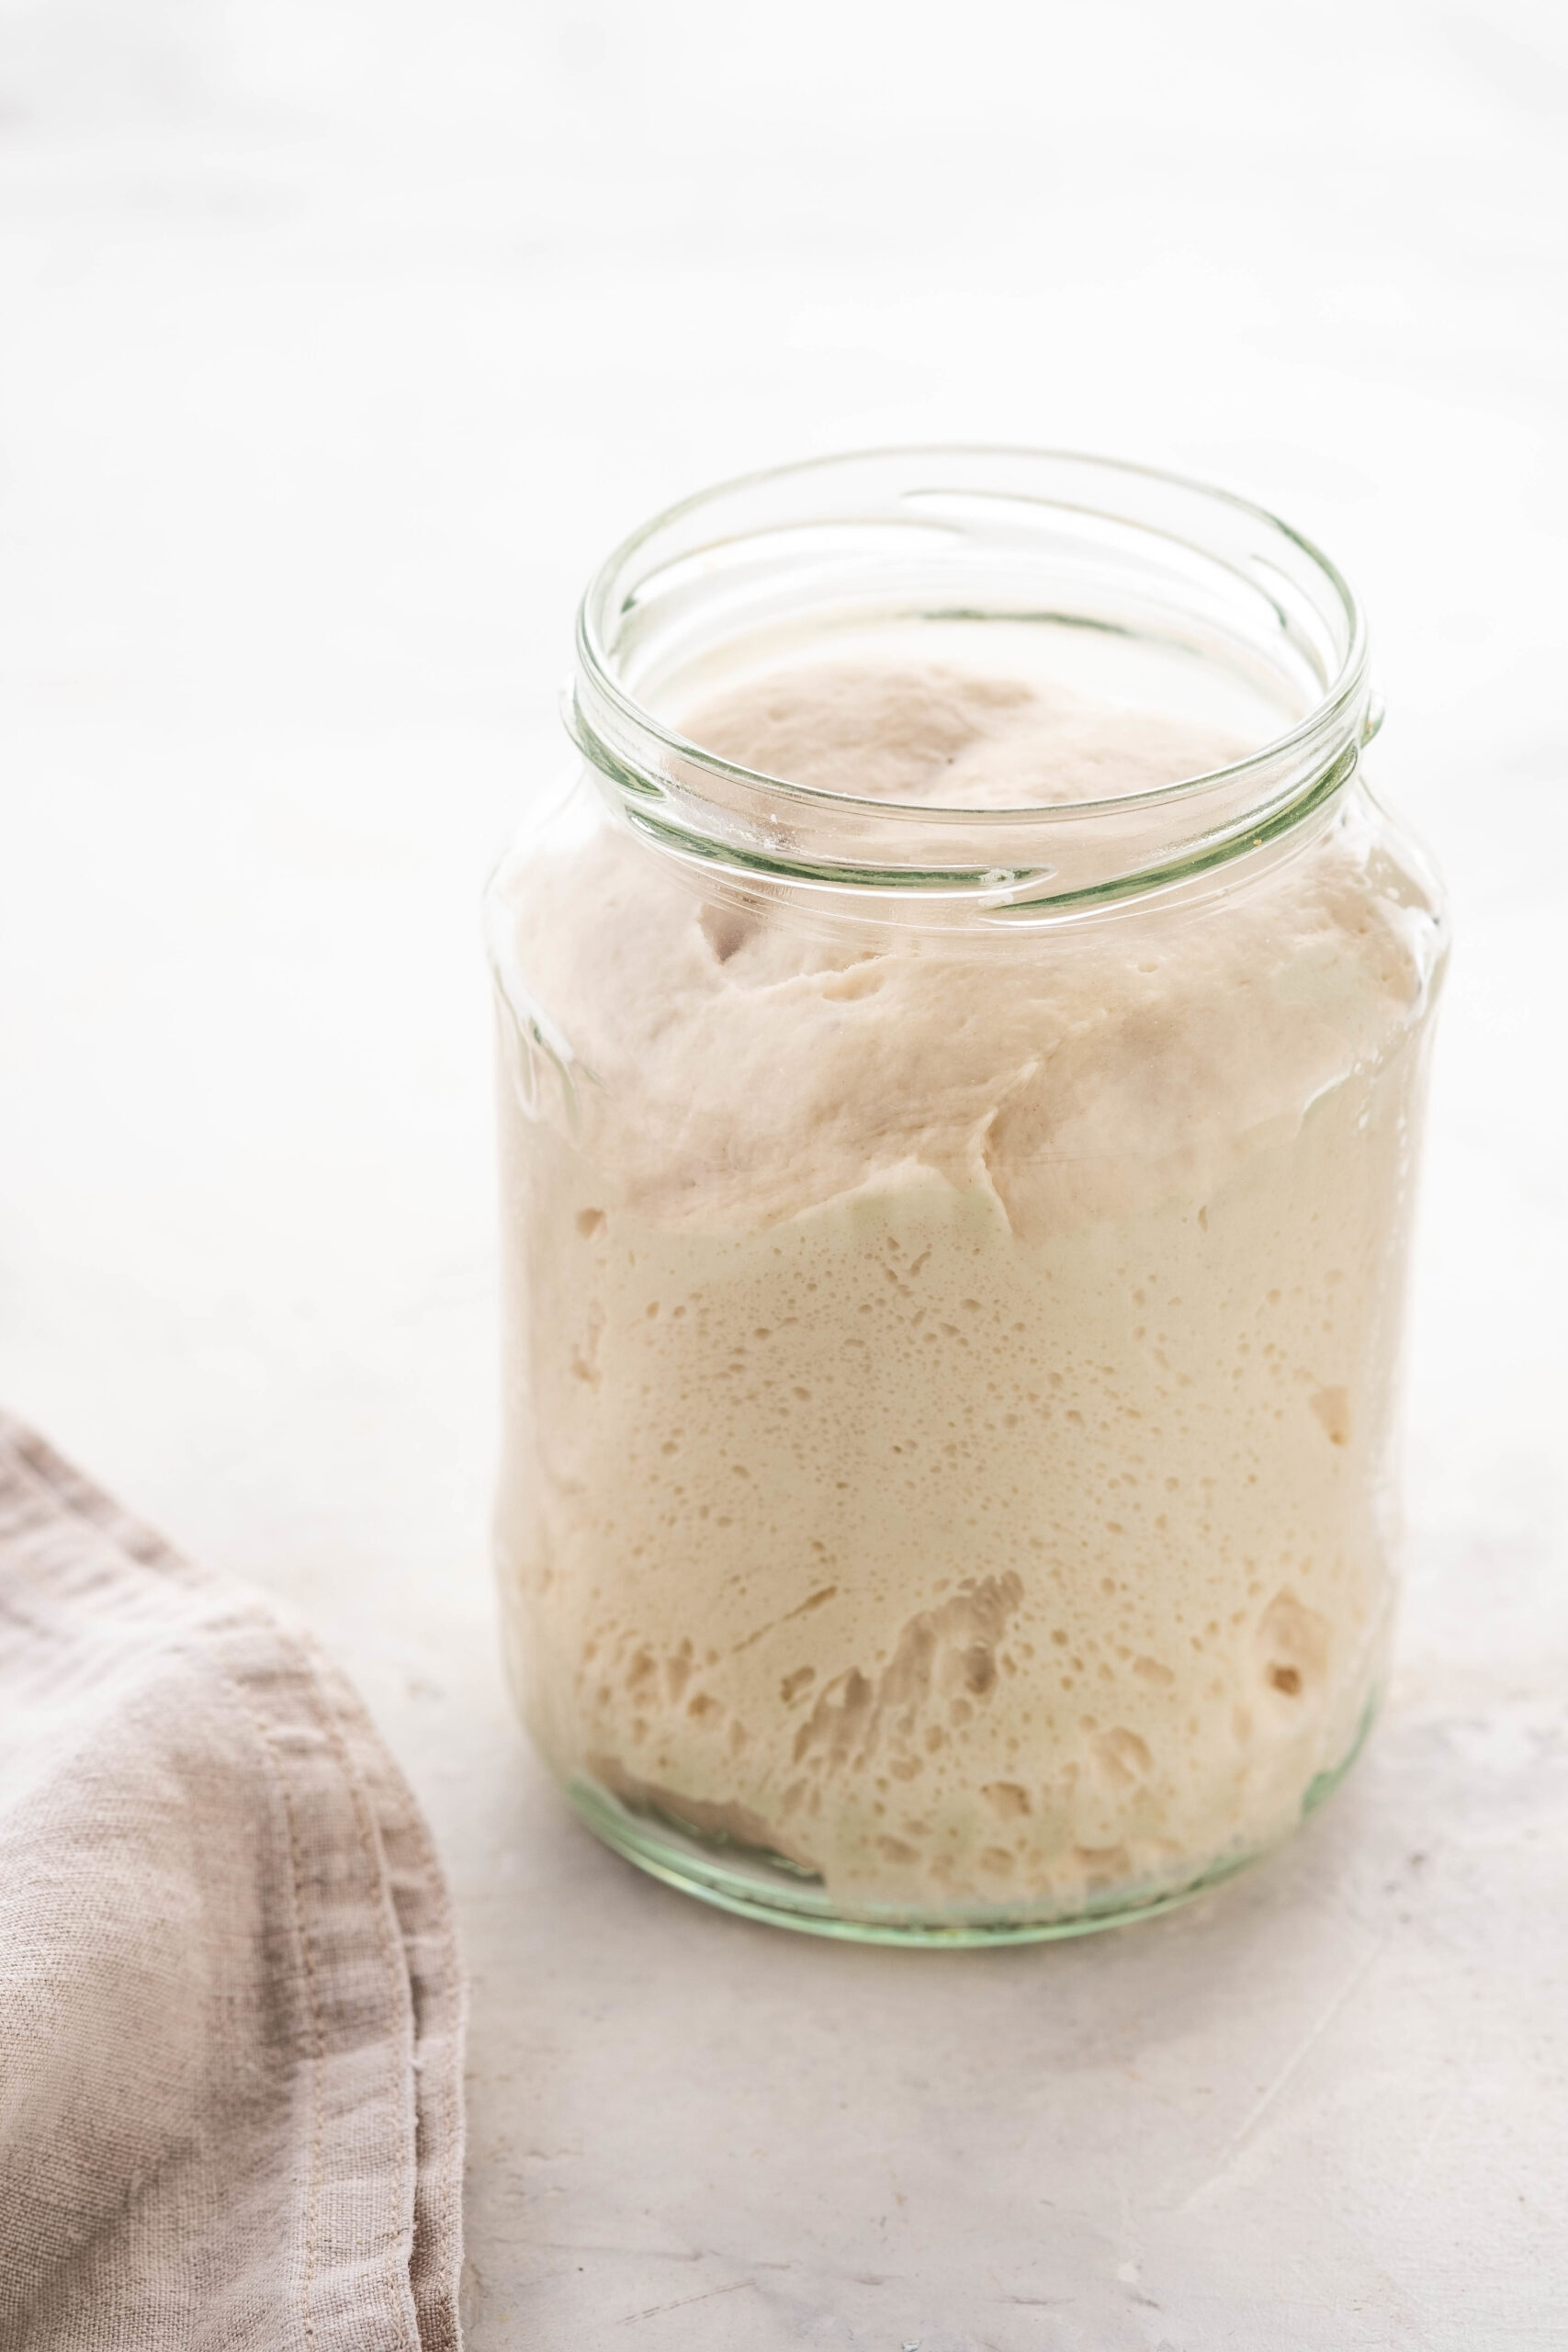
x,y
948,1400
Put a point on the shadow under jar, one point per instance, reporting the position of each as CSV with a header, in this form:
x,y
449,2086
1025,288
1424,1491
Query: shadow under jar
x,y
956,1253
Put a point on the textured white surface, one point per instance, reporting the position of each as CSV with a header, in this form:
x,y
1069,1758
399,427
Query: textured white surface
x,y
339,340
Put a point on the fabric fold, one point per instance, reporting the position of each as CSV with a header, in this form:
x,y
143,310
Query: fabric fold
x,y
231,2000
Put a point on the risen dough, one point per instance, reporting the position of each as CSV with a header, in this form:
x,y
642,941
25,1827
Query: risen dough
x,y
951,1376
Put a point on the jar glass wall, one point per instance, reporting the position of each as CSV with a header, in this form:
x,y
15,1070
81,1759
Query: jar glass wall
x,y
955,1253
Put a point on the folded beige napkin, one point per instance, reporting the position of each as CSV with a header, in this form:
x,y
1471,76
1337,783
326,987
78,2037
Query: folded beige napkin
x,y
231,2008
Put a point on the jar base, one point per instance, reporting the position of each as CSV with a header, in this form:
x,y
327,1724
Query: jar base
x,y
758,1885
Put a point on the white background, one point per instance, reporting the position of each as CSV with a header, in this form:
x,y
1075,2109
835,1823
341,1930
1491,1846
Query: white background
x,y
340,338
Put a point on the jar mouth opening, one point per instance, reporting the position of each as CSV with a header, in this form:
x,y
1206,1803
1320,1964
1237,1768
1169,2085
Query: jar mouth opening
x,y
702,541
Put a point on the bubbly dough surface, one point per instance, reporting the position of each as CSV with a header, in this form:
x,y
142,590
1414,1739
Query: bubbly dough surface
x,y
950,1380
932,734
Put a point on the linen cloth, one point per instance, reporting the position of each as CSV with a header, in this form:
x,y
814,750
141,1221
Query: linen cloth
x,y
230,2003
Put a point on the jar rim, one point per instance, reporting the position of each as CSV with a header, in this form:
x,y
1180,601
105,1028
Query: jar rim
x,y
970,531
1338,701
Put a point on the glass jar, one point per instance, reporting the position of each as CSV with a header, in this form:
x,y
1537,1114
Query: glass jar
x,y
955,1256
